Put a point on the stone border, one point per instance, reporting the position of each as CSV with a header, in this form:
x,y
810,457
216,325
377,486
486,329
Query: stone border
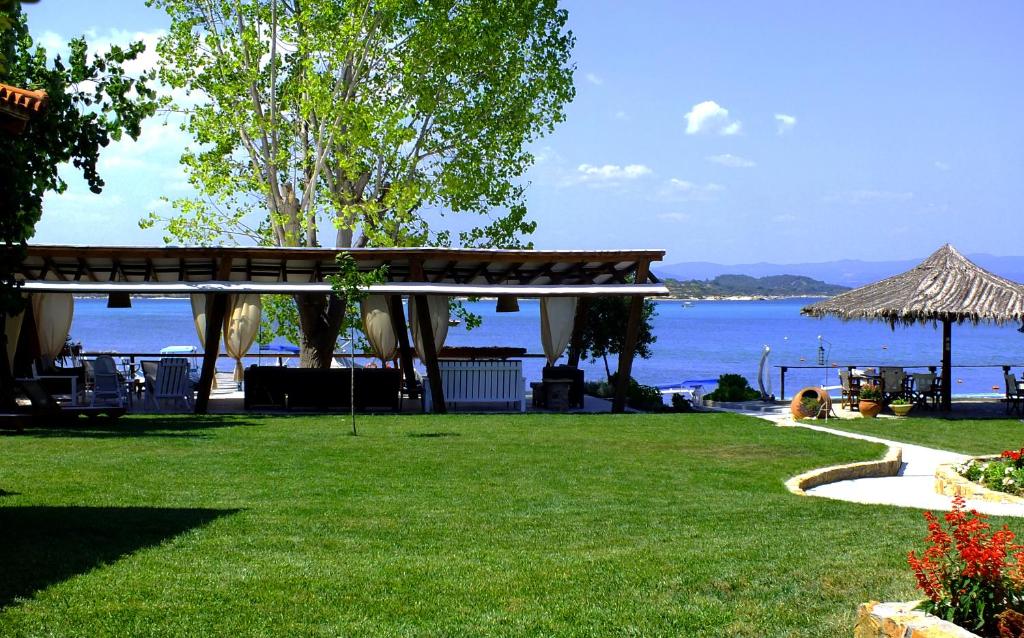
x,y
886,620
949,483
889,465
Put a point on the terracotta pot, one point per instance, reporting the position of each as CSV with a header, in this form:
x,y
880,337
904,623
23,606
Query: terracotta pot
x,y
824,402
902,410
869,409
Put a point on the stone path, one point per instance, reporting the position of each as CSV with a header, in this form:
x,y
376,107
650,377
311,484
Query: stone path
x,y
914,486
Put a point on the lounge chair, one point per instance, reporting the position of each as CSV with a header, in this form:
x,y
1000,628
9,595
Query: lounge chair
x,y
106,383
1014,393
171,383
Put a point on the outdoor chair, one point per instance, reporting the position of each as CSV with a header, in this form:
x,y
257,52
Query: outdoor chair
x,y
171,383
1014,393
106,383
893,382
924,388
850,386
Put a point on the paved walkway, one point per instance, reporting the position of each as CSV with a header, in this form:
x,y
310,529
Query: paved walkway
x,y
914,486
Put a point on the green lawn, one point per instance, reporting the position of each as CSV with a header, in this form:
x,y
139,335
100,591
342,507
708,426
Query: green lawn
x,y
537,525
983,436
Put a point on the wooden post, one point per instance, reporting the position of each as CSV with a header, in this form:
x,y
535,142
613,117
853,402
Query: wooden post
x,y
404,350
947,372
430,351
629,345
579,322
216,308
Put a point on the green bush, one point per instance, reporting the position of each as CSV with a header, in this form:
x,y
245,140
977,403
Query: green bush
x,y
733,387
810,406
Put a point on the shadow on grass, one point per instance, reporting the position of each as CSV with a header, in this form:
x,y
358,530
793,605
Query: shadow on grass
x,y
184,425
431,435
41,546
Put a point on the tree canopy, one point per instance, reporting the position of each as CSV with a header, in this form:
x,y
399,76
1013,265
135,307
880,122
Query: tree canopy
x,y
90,101
603,333
360,119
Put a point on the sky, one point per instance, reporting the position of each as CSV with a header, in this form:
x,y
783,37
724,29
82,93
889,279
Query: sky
x,y
731,132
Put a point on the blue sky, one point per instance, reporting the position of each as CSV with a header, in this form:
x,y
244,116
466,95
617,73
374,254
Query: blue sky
x,y
720,131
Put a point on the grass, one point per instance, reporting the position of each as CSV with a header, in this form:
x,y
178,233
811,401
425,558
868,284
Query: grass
x,y
976,437
536,525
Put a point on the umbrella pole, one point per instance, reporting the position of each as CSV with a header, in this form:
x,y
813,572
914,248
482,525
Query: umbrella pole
x,y
947,373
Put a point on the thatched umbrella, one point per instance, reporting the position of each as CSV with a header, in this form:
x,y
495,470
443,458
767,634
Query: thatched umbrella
x,y
946,287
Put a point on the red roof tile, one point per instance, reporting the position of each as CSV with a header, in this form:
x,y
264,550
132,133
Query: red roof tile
x,y
22,99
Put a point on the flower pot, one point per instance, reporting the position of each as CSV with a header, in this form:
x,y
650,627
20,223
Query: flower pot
x,y
819,394
901,410
869,409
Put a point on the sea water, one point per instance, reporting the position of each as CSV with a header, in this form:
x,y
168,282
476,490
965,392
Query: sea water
x,y
696,340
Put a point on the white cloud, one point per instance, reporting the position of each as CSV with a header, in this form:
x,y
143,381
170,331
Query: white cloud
x,y
594,78
864,196
675,217
784,123
942,166
681,190
621,115
732,161
610,172
710,116
733,128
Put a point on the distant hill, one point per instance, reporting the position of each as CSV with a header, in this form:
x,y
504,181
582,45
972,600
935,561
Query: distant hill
x,y
747,286
847,272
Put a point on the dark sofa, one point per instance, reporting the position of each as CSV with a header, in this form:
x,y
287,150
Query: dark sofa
x,y
321,389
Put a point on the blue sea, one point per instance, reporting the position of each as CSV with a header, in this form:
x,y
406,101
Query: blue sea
x,y
698,341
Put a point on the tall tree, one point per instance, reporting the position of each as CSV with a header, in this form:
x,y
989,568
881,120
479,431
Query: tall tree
x,y
359,118
604,329
90,100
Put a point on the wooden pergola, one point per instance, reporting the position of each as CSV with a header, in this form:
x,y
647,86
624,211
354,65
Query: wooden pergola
x,y
414,272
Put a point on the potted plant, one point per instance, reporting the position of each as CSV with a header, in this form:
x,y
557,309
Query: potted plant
x,y
901,406
810,407
870,401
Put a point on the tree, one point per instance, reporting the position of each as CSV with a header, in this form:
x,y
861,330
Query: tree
x,y
90,100
361,117
604,331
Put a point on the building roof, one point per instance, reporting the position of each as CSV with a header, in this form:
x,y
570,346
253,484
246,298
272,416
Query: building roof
x,y
470,272
944,287
18,105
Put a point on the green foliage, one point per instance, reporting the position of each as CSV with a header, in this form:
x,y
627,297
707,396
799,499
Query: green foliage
x,y
744,285
362,115
810,406
681,403
91,100
900,401
733,387
604,330
870,392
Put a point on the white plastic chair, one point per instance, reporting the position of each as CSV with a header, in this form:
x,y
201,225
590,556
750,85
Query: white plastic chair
x,y
171,384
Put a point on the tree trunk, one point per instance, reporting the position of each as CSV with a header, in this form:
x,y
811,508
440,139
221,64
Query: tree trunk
x,y
7,402
320,319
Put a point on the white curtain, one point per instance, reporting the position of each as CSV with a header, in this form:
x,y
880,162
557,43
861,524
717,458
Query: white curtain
x,y
557,315
53,313
438,307
377,325
13,332
241,325
199,318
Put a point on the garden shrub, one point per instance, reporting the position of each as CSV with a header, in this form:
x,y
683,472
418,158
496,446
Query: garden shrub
x,y
733,387
969,574
1005,474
